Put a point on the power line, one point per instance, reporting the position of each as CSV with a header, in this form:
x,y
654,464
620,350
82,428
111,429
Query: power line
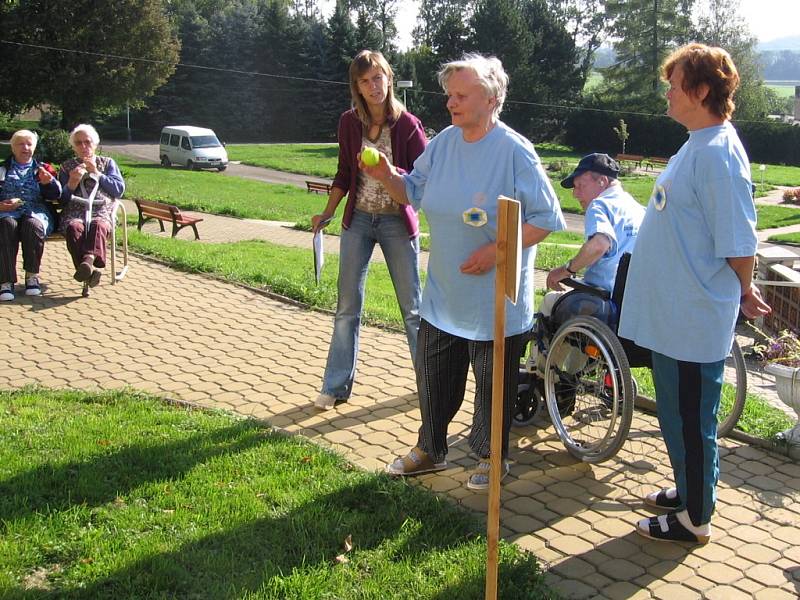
x,y
327,81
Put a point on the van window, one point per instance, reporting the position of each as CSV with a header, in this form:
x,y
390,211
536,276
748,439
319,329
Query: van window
x,y
185,143
205,141
173,140
164,139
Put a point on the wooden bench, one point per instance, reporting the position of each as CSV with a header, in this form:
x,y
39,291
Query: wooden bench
x,y
634,158
318,187
651,162
165,212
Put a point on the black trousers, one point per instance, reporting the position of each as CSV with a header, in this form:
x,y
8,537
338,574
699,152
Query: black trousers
x,y
27,231
442,362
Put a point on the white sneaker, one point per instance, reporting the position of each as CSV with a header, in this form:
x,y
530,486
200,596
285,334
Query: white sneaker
x,y
6,292
325,402
32,287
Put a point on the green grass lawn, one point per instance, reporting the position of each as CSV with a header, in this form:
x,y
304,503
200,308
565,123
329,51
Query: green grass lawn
x,y
776,216
208,191
786,238
118,495
776,175
782,91
319,160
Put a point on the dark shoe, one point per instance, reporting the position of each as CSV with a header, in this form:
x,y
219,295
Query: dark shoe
x,y
94,278
83,272
667,528
661,500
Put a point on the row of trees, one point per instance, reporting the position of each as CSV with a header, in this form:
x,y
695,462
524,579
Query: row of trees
x,y
277,69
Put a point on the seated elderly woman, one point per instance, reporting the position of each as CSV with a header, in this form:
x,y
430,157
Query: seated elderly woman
x,y
91,184
26,218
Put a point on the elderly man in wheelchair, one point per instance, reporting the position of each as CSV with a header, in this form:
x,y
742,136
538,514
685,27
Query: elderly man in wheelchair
x,y
576,359
578,371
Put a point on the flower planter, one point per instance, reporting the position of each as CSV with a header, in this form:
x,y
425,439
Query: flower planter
x,y
787,383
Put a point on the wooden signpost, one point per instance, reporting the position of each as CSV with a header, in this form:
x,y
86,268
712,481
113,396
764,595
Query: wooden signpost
x,y
507,273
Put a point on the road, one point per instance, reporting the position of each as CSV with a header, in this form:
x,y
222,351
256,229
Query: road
x,y
149,152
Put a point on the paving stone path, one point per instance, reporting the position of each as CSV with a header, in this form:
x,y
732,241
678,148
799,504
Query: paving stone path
x,y
195,339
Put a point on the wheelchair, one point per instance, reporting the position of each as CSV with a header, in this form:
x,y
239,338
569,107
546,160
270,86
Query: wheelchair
x,y
578,374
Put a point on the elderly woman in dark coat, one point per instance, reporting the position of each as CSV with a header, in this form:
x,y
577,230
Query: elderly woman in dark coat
x,y
26,218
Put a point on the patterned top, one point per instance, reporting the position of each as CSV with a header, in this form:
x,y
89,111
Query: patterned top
x,y
371,196
111,185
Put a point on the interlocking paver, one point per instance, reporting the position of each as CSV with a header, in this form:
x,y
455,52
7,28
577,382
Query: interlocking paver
x,y
217,345
674,591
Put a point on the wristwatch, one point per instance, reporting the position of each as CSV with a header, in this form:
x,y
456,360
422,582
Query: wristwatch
x,y
570,271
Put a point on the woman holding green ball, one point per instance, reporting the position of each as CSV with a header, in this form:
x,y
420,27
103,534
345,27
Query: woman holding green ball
x,y
377,123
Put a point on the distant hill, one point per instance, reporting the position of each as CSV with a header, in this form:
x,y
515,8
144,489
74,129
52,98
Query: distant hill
x,y
604,57
780,65
779,59
791,42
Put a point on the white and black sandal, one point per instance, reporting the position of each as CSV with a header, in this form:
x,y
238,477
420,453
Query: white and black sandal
x,y
662,500
667,528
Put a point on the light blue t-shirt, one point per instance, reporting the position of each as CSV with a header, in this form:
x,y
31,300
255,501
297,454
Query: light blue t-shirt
x,y
682,296
452,176
615,214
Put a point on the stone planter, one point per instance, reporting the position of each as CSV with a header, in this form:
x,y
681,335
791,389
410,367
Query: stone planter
x,y
787,383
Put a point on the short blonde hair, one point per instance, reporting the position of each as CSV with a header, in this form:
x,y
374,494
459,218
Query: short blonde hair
x,y
27,134
489,71
88,130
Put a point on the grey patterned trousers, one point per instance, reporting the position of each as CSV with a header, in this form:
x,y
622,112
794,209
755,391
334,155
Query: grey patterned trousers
x,y
442,363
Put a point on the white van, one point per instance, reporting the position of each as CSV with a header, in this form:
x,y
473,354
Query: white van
x,y
192,147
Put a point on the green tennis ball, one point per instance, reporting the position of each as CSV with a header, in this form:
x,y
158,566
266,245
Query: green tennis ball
x,y
370,157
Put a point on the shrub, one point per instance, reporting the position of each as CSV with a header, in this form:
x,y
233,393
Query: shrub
x,y
54,146
792,196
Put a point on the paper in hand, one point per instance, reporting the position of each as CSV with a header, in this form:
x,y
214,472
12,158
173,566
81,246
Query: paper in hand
x,y
319,256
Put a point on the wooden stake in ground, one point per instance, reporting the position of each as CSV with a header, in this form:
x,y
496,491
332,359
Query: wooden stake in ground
x,y
509,251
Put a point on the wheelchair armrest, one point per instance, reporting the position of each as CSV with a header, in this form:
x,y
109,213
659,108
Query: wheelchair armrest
x,y
581,286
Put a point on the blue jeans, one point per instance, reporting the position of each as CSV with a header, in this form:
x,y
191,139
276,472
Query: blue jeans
x,y
355,249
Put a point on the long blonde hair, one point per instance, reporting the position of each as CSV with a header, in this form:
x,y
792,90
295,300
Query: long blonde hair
x,y
363,62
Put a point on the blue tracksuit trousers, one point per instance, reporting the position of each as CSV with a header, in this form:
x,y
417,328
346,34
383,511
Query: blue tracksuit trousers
x,y
687,397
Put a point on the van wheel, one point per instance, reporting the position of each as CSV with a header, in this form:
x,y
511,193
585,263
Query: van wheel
x,y
222,168
190,165
165,162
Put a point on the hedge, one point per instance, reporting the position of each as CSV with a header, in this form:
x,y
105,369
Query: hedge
x,y
652,135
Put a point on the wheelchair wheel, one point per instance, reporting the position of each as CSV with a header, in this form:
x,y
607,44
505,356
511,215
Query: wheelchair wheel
x,y
529,406
589,389
734,391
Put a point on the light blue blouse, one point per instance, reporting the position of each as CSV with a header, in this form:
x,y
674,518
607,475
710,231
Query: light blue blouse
x,y
682,296
453,176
